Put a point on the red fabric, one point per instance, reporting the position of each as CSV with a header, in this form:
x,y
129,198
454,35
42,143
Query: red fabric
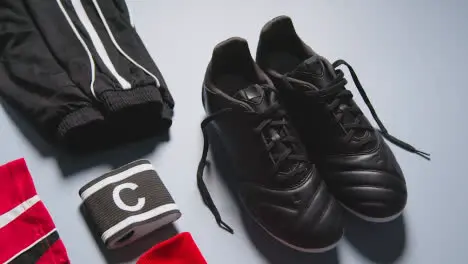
x,y
23,226
28,228
180,249
16,185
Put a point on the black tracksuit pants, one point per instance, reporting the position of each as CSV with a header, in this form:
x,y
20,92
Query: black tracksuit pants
x,y
80,73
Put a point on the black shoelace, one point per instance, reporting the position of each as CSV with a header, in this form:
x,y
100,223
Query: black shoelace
x,y
273,117
342,96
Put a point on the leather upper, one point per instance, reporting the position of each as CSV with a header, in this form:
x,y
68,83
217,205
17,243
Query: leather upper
x,y
366,178
306,214
370,183
351,156
280,188
297,209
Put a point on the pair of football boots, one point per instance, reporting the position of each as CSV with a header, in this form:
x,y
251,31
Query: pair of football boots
x,y
302,148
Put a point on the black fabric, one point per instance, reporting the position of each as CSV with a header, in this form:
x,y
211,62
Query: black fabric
x,y
32,79
123,9
62,43
46,73
33,254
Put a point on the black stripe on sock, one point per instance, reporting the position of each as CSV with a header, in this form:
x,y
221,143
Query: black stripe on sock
x,y
33,254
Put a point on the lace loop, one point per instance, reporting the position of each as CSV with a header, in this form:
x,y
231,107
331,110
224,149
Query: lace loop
x,y
383,130
273,117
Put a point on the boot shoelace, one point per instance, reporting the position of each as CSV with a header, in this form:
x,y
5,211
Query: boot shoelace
x,y
342,97
273,117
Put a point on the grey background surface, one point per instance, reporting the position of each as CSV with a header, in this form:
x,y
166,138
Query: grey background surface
x,y
411,58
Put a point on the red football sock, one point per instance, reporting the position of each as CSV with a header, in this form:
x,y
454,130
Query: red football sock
x,y
27,233
180,249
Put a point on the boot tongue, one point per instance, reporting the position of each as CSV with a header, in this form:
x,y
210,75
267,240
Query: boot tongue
x,y
260,98
257,97
316,71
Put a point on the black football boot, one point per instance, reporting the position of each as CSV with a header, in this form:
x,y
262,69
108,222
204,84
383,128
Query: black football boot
x,y
352,157
277,184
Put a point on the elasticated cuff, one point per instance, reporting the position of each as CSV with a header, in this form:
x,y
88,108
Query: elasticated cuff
x,y
120,100
77,119
143,109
